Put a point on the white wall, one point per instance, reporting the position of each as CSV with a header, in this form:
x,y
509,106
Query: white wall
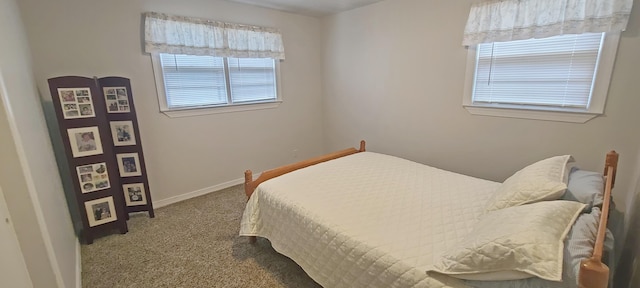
x,y
394,75
28,173
103,38
13,269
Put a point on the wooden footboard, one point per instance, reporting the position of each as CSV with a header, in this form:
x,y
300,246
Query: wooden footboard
x,y
594,273
250,185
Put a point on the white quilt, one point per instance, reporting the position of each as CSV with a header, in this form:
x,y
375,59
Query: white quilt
x,y
367,220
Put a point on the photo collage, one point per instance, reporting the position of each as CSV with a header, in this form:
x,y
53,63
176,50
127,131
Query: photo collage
x,y
76,103
93,177
117,100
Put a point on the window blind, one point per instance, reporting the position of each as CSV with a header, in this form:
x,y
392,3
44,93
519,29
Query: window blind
x,y
192,81
195,81
252,79
556,71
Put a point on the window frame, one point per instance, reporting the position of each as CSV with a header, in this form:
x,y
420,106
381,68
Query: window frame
x,y
211,109
596,107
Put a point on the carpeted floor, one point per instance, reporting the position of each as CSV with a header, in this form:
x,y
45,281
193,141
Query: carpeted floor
x,y
194,243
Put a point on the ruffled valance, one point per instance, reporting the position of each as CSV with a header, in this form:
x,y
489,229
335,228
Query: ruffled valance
x,y
508,20
192,36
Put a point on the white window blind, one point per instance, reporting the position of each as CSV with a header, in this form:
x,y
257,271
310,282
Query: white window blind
x,y
252,79
193,81
556,71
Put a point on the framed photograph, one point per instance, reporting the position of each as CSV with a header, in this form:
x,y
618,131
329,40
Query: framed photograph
x,y
85,141
129,164
76,103
117,99
122,133
134,194
100,211
93,177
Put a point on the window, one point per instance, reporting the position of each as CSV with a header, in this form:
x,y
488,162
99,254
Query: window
x,y
560,78
193,85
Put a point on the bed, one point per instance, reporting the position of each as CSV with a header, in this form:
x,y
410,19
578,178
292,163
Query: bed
x,y
354,218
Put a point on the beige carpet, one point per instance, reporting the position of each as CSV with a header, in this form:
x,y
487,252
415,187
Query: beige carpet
x,y
194,243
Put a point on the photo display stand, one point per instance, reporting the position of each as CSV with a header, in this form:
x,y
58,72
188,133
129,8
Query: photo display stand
x,y
123,126
99,130
81,115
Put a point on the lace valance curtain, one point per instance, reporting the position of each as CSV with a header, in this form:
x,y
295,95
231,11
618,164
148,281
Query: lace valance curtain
x,y
193,36
508,20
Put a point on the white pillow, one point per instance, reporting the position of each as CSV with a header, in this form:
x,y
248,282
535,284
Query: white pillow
x,y
509,242
543,180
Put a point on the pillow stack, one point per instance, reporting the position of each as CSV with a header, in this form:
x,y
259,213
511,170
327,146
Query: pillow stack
x,y
543,180
522,233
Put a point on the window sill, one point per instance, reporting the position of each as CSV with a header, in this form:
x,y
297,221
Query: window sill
x,y
189,112
546,115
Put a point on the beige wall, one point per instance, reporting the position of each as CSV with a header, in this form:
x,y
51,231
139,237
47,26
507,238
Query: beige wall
x,y
28,173
394,75
103,38
628,272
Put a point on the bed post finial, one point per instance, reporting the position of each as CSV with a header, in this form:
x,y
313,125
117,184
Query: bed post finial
x,y
248,178
593,273
362,146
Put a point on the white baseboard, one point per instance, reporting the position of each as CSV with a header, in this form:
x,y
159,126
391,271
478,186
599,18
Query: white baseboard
x,y
78,265
203,191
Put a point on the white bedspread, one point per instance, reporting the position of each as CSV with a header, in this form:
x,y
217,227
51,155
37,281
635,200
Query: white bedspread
x,y
367,220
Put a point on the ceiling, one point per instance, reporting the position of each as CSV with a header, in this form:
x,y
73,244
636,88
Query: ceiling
x,y
310,7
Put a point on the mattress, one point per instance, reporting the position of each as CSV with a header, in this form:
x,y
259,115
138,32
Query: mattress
x,y
368,219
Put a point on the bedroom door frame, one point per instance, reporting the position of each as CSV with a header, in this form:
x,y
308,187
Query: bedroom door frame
x,y
12,266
